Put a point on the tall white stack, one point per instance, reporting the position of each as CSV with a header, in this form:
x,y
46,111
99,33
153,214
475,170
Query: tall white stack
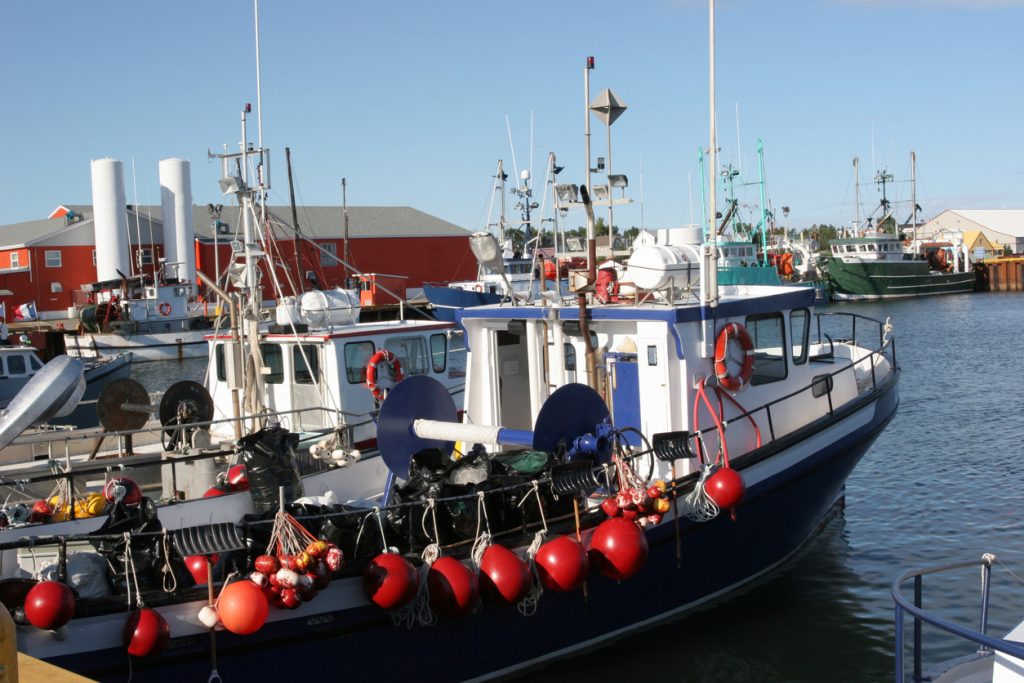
x,y
176,203
111,222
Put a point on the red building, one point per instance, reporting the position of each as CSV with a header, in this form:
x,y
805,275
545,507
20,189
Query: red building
x,y
45,261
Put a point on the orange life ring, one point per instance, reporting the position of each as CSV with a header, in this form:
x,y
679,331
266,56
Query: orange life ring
x,y
382,356
164,308
728,333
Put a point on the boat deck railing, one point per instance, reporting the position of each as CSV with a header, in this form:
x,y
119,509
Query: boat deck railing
x,y
824,383
986,643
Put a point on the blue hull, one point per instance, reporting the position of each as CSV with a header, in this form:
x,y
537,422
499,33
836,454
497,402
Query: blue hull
x,y
779,513
447,300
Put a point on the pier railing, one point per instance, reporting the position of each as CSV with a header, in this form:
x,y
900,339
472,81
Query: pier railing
x,y
986,643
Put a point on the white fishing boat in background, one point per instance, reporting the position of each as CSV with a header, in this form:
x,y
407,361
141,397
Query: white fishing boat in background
x,y
519,271
155,314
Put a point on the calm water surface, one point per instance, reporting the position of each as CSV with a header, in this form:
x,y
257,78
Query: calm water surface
x,y
940,484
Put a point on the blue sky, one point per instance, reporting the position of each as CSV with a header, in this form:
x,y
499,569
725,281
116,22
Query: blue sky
x,y
408,100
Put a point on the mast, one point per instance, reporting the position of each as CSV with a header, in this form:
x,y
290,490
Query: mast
x,y
501,210
345,240
710,291
856,196
591,236
764,204
913,196
295,222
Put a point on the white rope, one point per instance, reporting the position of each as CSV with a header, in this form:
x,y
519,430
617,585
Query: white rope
x,y
169,587
528,605
698,505
129,566
482,539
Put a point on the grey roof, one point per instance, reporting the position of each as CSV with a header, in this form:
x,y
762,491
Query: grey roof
x,y
314,221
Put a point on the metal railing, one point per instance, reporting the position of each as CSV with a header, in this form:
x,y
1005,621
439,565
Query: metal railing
x,y
886,349
986,643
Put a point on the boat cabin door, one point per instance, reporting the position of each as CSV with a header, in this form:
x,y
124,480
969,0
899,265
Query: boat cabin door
x,y
307,387
624,393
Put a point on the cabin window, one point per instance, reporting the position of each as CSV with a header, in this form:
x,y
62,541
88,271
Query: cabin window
x,y
53,258
145,257
16,365
652,355
305,363
332,249
411,352
799,332
851,248
357,355
768,335
94,257
439,352
35,363
871,247
570,358
218,356
273,360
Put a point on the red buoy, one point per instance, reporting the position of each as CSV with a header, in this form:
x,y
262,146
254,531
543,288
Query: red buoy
x,y
505,578
197,567
146,633
390,581
618,548
242,607
725,487
453,587
238,478
213,492
267,564
122,489
562,564
49,605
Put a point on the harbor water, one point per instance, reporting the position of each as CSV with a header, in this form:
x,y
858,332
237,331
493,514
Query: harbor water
x,y
939,485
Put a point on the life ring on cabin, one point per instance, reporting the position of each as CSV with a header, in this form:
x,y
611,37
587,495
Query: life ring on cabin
x,y
733,331
479,288
164,308
382,356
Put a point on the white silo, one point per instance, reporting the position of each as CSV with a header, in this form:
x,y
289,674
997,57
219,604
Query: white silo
x,y
176,203
110,220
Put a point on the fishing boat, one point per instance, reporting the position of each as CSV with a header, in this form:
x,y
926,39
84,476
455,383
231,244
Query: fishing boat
x,y
616,465
516,272
987,658
18,364
155,315
877,263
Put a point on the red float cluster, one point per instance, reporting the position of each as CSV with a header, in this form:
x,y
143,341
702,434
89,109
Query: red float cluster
x,y
645,506
288,580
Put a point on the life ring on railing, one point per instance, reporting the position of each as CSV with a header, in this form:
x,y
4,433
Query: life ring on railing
x,y
733,331
164,308
382,356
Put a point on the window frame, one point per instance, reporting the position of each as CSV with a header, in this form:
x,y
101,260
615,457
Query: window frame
x,y
47,253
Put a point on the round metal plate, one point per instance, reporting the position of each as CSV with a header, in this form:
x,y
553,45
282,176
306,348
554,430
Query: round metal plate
x,y
192,392
109,409
571,411
414,398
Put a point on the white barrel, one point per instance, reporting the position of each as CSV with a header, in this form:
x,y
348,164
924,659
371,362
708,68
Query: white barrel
x,y
336,306
176,204
690,234
287,311
658,266
110,221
